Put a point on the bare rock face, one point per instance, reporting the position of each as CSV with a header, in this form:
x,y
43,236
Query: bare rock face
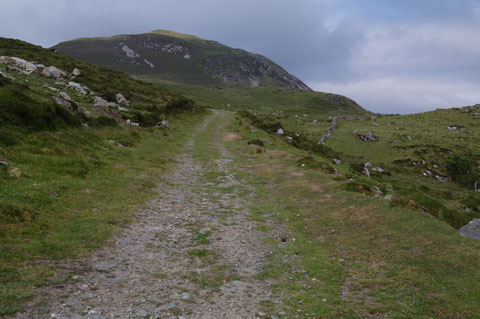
x,y
471,230
54,73
99,102
122,100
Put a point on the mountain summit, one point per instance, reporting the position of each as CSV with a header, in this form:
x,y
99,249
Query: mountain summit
x,y
181,58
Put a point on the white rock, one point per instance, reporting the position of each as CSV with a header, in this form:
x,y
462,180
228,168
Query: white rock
x,y
99,102
78,87
129,52
65,96
150,64
53,72
280,131
76,72
121,100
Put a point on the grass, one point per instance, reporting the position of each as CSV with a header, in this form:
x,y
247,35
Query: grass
x,y
265,99
355,256
404,139
71,190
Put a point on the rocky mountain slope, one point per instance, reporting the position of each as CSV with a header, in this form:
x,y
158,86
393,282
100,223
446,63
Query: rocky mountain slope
x,y
33,79
181,58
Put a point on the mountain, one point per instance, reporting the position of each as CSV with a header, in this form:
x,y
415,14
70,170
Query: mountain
x,y
181,58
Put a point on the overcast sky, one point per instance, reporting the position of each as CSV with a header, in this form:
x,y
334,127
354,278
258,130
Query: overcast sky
x,y
391,56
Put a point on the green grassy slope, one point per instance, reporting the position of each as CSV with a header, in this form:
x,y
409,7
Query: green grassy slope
x,y
350,255
65,187
180,58
412,150
266,99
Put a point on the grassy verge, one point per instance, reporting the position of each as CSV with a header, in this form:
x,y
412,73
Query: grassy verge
x,y
64,193
350,255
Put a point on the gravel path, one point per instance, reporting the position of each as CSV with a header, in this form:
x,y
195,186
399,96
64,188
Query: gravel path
x,y
192,254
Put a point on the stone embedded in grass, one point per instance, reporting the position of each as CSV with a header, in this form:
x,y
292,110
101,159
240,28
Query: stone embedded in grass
x,y
62,102
442,179
337,161
471,230
53,72
99,102
122,100
65,96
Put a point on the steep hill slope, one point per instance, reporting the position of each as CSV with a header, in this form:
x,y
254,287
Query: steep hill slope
x,y
181,58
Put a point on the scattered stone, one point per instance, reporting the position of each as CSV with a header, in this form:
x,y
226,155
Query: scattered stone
x,y
375,124
337,161
121,100
113,105
185,295
442,179
289,139
53,72
122,109
429,172
280,131
99,102
388,197
3,162
368,165
409,138
253,131
452,128
471,230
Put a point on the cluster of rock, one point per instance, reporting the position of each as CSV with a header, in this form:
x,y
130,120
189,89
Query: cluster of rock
x,y
474,110
333,126
26,67
368,137
368,166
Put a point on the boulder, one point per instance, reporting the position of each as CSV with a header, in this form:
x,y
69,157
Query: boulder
x,y
377,189
377,169
53,72
76,72
122,100
471,230
65,96
442,179
99,102
61,102
366,172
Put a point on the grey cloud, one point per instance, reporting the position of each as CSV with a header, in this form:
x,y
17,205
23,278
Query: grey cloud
x,y
367,50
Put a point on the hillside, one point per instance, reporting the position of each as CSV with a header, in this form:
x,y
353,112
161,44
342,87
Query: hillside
x,y
181,58
74,156
428,161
